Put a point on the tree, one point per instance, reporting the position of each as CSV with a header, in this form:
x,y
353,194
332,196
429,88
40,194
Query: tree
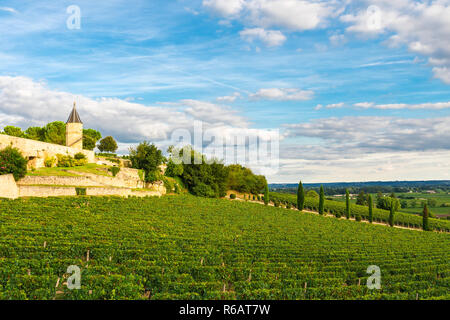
x,y
35,133
361,199
391,215
14,131
108,144
146,157
266,194
55,132
312,194
90,138
12,161
370,209
347,204
321,200
425,215
300,197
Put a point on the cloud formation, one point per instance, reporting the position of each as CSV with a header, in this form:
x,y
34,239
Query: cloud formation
x,y
283,94
270,38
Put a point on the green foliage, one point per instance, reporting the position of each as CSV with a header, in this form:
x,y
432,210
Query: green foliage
x,y
321,201
347,204
370,209
68,161
80,156
185,247
379,215
425,218
391,216
55,132
300,197
244,180
50,162
358,218
107,144
12,162
232,196
362,199
148,158
13,131
312,194
386,203
114,170
266,195
174,170
90,138
80,191
35,133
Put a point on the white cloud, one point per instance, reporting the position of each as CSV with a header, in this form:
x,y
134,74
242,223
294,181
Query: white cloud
x,y
225,8
229,99
24,102
398,106
270,38
283,94
330,106
423,27
8,9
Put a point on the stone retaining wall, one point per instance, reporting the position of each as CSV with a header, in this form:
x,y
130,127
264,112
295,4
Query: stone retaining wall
x,y
8,187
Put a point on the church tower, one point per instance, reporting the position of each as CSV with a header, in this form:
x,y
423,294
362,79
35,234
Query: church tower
x,y
74,130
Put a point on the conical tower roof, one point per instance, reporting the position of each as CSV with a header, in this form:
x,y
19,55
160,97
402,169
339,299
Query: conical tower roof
x,y
74,116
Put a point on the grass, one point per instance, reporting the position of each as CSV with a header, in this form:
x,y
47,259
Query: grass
x,y
64,171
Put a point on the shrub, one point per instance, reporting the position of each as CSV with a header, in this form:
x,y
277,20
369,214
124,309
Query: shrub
x,y
232,196
288,206
65,161
114,170
80,191
12,161
50,162
79,156
300,196
338,215
358,218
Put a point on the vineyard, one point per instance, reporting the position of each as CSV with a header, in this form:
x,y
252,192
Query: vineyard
x,y
335,207
184,247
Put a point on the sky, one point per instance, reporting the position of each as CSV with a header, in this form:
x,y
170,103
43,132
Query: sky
x,y
355,90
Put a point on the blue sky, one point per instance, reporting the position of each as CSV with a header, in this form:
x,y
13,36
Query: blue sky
x,y
316,70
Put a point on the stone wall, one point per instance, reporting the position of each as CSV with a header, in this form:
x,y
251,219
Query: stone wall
x,y
43,191
38,151
58,181
8,187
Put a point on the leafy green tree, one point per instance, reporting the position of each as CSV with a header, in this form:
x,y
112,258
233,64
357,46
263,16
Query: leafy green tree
x,y
55,132
321,201
361,199
391,215
242,179
370,209
108,144
14,131
174,170
90,138
347,204
12,161
300,197
266,194
146,157
35,133
425,215
312,194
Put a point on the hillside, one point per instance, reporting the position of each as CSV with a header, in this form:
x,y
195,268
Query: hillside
x,y
183,247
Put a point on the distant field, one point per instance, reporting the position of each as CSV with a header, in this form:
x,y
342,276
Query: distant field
x,y
183,247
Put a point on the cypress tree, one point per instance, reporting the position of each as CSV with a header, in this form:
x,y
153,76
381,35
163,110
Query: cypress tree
x,y
300,197
370,209
321,200
391,214
266,194
347,204
426,214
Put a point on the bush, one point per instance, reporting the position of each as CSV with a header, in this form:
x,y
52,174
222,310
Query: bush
x,y
232,196
50,162
79,156
114,170
203,190
80,191
12,161
68,161
338,215
358,218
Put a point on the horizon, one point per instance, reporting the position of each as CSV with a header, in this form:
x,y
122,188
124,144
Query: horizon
x,y
355,89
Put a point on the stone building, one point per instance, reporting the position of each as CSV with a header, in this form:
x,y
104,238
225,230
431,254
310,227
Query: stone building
x,y
37,151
